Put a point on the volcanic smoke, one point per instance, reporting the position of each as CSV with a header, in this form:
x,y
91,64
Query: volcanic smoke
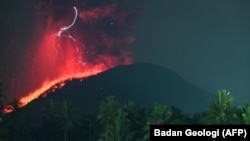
x,y
77,43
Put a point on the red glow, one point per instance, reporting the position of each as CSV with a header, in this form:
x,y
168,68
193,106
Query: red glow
x,y
62,63
8,109
50,83
80,52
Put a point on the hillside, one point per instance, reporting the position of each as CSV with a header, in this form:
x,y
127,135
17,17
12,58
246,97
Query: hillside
x,y
142,83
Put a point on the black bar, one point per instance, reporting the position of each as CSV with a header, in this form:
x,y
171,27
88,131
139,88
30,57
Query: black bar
x,y
206,132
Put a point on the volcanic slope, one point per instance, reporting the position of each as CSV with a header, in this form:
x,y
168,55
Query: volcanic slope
x,y
143,83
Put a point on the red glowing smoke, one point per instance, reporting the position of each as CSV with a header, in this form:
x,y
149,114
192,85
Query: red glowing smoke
x,y
95,42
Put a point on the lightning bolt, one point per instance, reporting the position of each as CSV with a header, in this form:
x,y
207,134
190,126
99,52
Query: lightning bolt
x,y
63,29
61,33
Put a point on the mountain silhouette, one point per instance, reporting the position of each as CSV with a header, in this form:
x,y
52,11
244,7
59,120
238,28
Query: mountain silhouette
x,y
143,83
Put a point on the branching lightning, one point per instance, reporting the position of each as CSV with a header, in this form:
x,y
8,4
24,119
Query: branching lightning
x,y
62,53
61,33
63,29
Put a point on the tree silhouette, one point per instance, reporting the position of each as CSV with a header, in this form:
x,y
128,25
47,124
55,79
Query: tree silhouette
x,y
119,129
17,126
245,114
177,117
137,117
66,117
107,110
159,114
90,127
114,121
220,111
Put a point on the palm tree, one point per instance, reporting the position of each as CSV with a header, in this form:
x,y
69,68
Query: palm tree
x,y
137,117
220,111
160,114
66,117
246,114
90,127
115,121
108,108
119,129
177,117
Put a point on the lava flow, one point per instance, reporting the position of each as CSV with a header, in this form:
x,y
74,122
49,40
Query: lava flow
x,y
85,42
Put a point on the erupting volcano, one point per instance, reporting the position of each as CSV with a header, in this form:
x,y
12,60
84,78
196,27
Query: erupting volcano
x,y
76,40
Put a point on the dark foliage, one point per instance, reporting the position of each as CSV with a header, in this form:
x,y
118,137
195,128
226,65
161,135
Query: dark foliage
x,y
115,121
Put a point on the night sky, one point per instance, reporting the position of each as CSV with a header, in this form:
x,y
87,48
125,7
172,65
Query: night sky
x,y
206,42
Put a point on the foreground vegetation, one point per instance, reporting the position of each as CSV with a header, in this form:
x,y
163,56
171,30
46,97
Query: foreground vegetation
x,y
115,121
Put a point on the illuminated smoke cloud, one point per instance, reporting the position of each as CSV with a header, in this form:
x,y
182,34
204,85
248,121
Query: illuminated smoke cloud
x,y
102,28
77,39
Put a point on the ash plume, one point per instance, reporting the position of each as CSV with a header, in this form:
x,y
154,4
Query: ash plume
x,y
97,41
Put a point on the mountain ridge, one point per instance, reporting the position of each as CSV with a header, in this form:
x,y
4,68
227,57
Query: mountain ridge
x,y
143,83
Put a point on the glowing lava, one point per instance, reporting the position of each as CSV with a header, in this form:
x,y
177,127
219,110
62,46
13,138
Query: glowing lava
x,y
62,58
60,80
